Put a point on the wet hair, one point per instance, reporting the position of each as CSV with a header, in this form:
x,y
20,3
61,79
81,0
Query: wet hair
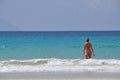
x,y
87,40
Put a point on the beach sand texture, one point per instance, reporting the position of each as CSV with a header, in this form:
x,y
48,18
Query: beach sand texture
x,y
60,76
68,79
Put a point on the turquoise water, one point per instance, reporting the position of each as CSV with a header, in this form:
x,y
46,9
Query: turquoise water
x,y
62,44
41,51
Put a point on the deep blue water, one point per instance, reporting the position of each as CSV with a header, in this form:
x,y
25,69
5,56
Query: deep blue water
x,y
58,44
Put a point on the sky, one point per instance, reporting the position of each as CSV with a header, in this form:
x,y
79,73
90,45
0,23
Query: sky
x,y
59,15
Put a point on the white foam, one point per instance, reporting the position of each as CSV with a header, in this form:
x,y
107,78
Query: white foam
x,y
38,65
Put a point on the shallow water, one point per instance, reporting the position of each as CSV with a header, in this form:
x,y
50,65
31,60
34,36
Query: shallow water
x,y
59,51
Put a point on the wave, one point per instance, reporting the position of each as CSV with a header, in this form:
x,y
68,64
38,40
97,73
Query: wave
x,y
52,64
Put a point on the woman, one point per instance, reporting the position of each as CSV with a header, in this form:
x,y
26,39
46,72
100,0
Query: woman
x,y
88,50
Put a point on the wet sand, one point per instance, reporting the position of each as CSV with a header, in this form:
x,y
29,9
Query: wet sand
x,y
60,76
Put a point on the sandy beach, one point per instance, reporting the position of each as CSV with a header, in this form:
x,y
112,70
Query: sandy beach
x,y
60,76
66,79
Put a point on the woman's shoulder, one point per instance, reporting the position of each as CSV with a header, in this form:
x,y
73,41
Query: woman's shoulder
x,y
87,43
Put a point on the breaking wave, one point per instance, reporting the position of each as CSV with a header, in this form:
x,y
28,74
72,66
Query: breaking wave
x,y
52,64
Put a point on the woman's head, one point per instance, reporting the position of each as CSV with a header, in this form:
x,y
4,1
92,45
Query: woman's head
x,y
87,40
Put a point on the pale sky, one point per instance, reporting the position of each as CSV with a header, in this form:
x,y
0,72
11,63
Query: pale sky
x,y
59,15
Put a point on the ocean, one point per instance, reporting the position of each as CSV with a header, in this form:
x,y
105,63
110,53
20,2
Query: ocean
x,y
37,51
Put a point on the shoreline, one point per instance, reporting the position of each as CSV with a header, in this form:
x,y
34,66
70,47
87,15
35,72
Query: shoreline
x,y
60,76
68,79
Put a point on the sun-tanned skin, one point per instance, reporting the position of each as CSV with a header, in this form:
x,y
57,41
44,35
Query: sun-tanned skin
x,y
88,50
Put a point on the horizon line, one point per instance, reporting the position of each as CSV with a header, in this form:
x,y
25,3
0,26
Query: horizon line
x,y
53,30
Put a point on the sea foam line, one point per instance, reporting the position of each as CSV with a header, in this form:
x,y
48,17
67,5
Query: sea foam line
x,y
38,65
